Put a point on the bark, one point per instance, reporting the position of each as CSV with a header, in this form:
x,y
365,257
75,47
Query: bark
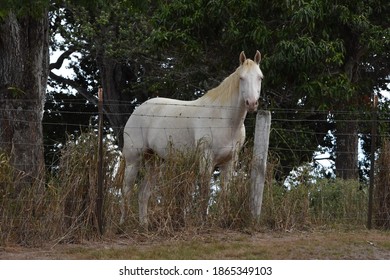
x,y
382,190
347,150
115,79
117,107
24,60
347,127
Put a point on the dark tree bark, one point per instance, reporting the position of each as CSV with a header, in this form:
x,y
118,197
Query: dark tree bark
x,y
115,79
347,150
24,60
117,107
347,126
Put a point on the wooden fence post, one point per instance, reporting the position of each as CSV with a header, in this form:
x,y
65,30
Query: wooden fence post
x,y
100,178
374,129
259,164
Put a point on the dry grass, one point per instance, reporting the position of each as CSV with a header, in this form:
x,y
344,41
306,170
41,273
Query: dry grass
x,y
177,203
226,244
23,213
63,211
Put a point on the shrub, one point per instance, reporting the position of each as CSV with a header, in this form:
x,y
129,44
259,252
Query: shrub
x,y
319,203
338,201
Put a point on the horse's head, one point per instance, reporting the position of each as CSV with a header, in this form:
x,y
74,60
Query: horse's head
x,y
250,81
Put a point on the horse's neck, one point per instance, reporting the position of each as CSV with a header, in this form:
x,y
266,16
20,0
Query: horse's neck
x,y
226,101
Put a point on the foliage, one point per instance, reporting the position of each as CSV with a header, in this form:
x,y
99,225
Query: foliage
x,y
327,202
22,8
318,56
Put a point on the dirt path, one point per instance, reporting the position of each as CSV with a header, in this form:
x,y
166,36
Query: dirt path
x,y
326,244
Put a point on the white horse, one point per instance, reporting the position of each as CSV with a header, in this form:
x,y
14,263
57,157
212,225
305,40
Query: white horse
x,y
216,120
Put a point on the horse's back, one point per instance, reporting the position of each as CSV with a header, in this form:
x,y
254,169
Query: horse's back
x,y
156,123
161,122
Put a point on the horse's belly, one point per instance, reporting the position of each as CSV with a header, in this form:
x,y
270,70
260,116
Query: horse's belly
x,y
223,157
163,136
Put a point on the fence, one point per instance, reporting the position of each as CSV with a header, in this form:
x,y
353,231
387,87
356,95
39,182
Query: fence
x,y
287,125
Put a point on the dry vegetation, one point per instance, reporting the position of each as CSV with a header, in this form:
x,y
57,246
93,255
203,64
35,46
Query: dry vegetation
x,y
300,222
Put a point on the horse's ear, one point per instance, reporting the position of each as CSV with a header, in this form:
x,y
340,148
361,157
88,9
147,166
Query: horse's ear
x,y
242,57
257,57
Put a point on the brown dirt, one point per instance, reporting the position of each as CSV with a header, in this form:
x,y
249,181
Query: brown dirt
x,y
218,244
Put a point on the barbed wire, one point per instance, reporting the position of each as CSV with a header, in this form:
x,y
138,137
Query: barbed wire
x,y
134,104
274,111
274,120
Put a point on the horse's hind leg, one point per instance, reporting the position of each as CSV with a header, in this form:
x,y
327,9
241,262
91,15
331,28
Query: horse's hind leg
x,y
143,199
145,190
131,171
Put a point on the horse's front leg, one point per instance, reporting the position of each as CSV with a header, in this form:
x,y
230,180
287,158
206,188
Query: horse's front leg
x,y
226,174
228,168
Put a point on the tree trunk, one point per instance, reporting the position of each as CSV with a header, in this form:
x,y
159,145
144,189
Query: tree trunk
x,y
117,106
24,61
382,190
347,150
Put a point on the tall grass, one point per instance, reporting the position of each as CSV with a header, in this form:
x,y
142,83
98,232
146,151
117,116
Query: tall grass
x,y
64,209
23,216
178,202
327,202
76,186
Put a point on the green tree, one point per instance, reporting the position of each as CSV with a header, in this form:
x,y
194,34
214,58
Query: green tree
x,y
108,38
321,61
338,51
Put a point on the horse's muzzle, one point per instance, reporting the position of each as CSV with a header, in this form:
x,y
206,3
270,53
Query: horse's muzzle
x,y
251,105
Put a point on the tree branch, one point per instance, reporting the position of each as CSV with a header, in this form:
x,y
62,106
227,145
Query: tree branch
x,y
82,91
61,58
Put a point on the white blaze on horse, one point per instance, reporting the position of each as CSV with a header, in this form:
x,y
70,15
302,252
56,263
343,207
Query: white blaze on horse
x,y
216,120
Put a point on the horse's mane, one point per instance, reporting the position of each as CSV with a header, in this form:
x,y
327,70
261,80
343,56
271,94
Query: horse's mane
x,y
222,93
229,86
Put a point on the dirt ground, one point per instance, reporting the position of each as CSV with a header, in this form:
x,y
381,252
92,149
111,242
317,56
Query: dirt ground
x,y
220,244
